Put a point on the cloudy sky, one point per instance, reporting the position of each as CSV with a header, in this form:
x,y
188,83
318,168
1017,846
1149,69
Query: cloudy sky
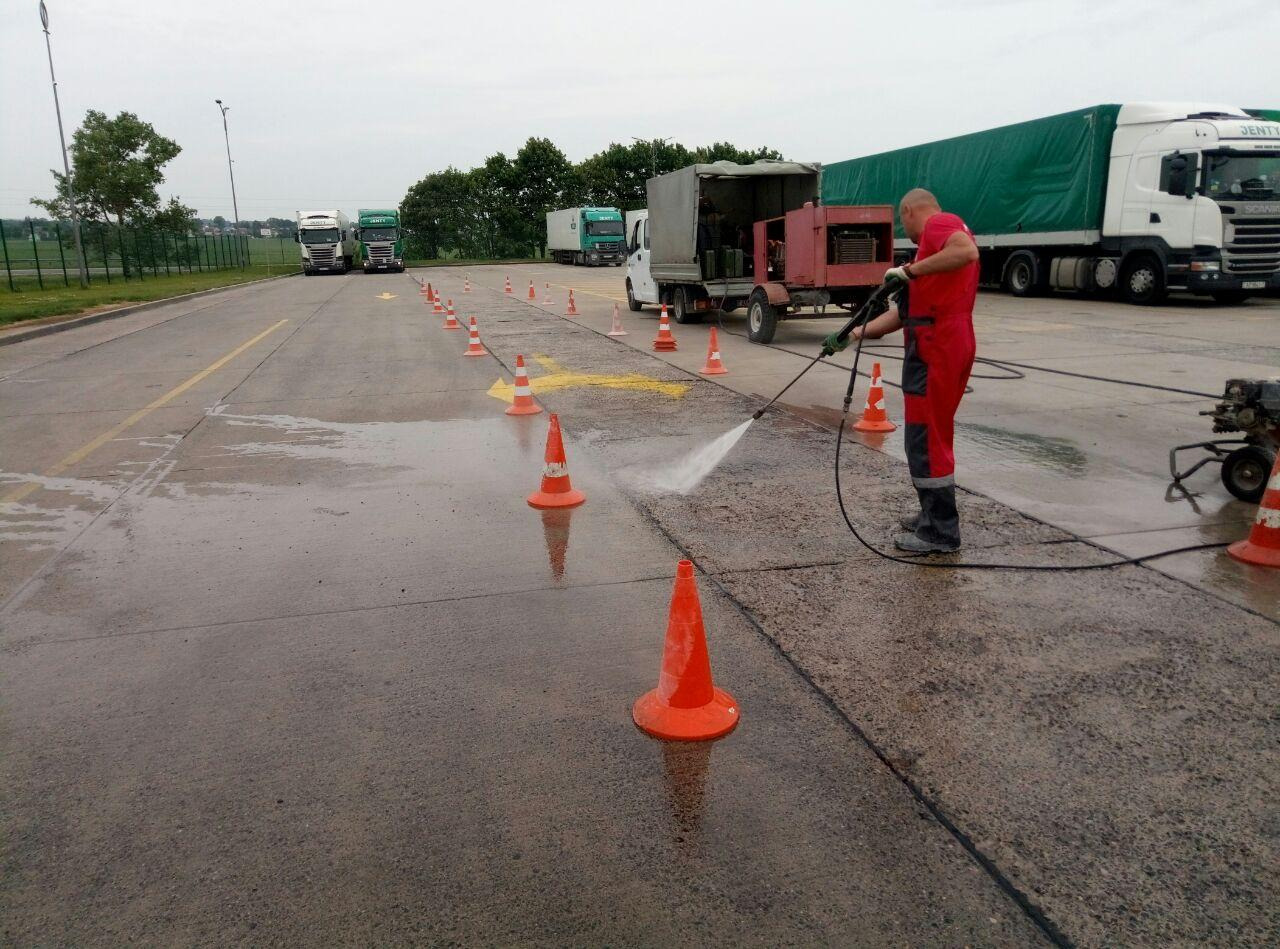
x,y
345,104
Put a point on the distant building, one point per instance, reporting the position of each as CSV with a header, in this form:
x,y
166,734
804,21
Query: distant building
x,y
266,232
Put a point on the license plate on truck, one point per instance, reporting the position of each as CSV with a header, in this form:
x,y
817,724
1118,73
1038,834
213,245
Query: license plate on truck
x,y
1254,285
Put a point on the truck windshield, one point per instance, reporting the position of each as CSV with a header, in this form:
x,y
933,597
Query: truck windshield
x,y
319,235
604,228
379,234
1242,176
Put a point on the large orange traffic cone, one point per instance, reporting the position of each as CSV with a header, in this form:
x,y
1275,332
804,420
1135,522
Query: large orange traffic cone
x,y
556,490
466,284
523,403
617,324
685,706
507,287
430,295
533,294
473,345
1262,546
714,366
546,295
664,342
874,418
450,321
571,309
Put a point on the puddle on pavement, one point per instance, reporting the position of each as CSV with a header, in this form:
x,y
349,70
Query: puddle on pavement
x,y
1057,454
42,526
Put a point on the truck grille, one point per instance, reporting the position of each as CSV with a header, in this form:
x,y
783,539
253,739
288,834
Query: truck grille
x,y
1253,247
321,256
380,252
608,245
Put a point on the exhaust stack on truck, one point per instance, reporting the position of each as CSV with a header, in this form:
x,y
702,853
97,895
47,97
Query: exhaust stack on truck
x,y
1140,198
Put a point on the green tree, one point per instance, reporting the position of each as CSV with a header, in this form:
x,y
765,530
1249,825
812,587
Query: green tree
x,y
541,178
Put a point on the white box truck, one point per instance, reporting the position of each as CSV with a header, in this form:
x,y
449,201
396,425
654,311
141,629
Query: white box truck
x,y
585,236
327,241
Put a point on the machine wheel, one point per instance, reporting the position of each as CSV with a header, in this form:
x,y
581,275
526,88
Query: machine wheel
x,y
1245,472
1022,274
632,303
680,307
1230,297
1142,281
762,318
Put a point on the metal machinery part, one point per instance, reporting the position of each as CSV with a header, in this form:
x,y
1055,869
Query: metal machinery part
x,y
1250,407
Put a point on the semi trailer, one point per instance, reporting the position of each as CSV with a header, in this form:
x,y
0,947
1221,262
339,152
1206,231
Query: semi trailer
x,y
381,242
721,236
585,236
327,242
1139,199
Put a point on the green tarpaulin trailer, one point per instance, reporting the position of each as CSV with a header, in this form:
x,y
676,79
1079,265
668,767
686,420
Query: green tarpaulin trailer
x,y
1044,176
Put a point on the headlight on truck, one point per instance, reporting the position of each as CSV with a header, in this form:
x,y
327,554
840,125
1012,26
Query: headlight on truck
x,y
1206,266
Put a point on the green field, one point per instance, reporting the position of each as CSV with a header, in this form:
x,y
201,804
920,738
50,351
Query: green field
x,y
60,300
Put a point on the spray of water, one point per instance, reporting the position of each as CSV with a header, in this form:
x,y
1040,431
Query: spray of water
x,y
681,477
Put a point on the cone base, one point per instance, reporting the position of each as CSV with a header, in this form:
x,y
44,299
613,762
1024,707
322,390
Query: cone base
x,y
708,371
570,312
714,720
453,326
664,346
617,333
543,500
862,425
524,409
1246,551
471,353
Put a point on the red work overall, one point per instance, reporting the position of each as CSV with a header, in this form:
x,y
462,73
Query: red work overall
x,y
939,355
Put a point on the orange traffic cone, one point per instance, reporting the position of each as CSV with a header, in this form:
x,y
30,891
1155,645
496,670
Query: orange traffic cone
x,y
507,288
546,296
714,366
556,491
533,294
664,342
617,324
430,296
422,288
523,403
435,305
874,418
685,706
571,309
1262,547
466,284
473,345
450,322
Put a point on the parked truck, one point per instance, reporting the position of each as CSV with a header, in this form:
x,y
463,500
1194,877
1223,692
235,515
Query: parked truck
x,y
720,236
327,241
585,236
1141,198
381,242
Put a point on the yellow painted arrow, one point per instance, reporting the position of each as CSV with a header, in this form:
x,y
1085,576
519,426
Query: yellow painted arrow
x,y
385,296
559,378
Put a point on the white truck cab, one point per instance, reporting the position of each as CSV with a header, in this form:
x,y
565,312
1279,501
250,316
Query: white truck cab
x,y
327,241
641,287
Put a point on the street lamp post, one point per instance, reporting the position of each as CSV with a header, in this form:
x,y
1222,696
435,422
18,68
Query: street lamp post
x,y
66,164
653,149
235,208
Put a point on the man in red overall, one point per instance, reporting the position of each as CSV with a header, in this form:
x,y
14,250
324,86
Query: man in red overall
x,y
942,282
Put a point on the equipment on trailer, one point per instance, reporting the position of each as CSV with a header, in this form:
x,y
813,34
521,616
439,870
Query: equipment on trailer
x,y
1252,407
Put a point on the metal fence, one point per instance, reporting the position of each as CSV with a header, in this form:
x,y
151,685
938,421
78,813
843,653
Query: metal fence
x,y
46,260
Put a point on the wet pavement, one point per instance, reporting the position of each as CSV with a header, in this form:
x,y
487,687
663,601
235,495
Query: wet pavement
x,y
289,659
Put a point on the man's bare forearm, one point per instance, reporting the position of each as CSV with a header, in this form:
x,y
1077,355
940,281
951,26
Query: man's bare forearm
x,y
884,324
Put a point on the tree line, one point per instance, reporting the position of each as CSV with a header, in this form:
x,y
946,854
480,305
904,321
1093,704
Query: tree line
x,y
498,209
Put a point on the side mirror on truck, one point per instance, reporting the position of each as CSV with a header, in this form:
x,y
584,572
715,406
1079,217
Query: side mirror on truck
x,y
1178,174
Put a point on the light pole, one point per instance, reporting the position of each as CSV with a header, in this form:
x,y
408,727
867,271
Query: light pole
x,y
235,209
66,164
653,149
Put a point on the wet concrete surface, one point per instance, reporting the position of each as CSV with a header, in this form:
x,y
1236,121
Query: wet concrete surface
x,y
291,660
1106,738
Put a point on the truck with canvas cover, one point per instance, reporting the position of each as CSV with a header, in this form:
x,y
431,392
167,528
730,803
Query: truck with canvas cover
x,y
381,241
722,235
1140,199
585,236
327,242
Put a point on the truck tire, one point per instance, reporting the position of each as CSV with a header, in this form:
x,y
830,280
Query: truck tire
x,y
680,308
762,318
632,303
1142,280
1230,297
1023,275
1245,472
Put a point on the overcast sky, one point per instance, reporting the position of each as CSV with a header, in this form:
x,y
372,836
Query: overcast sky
x,y
346,104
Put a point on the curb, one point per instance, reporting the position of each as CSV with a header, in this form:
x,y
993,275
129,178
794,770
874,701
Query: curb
x,y
34,332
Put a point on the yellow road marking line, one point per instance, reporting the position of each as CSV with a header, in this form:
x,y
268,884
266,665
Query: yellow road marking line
x,y
560,378
20,492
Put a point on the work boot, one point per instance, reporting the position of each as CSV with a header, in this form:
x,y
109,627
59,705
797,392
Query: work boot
x,y
915,544
910,522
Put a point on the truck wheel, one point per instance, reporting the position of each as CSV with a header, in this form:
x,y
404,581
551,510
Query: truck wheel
x,y
1245,472
1142,280
1230,297
680,307
1022,274
632,303
762,318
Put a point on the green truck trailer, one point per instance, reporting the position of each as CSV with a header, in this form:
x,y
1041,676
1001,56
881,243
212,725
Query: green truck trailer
x,y
1141,198
381,240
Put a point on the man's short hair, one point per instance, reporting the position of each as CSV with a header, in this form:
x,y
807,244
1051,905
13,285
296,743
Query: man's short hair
x,y
918,196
